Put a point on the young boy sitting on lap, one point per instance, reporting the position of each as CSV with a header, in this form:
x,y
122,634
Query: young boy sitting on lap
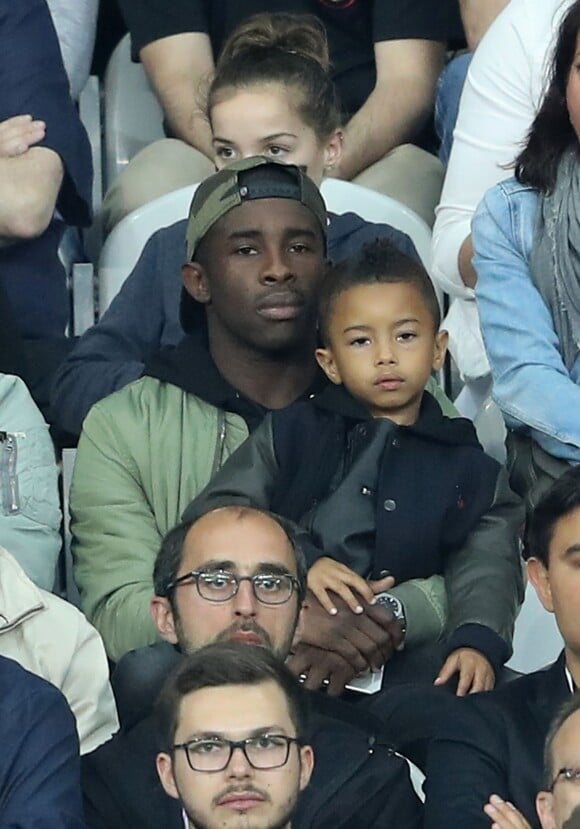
x,y
382,483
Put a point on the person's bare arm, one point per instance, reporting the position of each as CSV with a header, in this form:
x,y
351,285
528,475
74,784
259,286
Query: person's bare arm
x,y
477,17
407,72
466,269
29,187
177,67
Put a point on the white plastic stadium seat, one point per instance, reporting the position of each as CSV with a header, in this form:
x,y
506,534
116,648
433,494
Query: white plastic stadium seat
x,y
537,640
133,117
344,197
126,242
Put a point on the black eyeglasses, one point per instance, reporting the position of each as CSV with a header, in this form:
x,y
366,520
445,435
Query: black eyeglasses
x,y
221,586
571,775
267,751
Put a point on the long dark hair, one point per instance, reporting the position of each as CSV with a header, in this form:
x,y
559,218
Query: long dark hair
x,y
551,133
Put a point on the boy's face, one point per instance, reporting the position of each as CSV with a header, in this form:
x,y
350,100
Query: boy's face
x,y
382,345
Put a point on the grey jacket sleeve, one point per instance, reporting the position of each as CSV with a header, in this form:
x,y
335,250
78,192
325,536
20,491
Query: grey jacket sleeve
x,y
112,353
484,579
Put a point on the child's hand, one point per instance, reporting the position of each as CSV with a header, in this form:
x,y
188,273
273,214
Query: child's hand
x,y
504,814
327,574
475,671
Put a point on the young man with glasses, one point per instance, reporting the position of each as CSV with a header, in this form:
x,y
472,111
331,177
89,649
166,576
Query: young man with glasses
x,y
233,725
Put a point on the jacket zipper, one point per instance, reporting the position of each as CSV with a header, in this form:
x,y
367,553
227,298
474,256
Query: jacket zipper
x,y
219,446
8,476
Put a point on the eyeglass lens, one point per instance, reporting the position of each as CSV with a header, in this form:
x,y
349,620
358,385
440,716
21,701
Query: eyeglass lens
x,y
265,752
268,588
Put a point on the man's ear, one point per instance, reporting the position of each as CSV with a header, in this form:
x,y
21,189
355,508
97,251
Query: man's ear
x,y
325,359
164,765
440,349
196,282
306,765
164,619
545,809
299,627
540,578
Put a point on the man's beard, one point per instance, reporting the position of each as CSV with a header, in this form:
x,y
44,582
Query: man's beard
x,y
227,635
280,821
573,821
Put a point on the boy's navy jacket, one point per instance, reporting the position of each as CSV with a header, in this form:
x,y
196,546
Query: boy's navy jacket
x,y
432,502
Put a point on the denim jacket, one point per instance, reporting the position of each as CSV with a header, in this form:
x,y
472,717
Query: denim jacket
x,y
531,385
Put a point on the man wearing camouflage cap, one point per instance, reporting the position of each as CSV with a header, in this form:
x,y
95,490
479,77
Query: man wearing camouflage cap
x,y
255,256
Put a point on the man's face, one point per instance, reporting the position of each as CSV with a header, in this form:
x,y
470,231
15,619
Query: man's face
x,y
239,797
558,585
560,808
260,267
245,544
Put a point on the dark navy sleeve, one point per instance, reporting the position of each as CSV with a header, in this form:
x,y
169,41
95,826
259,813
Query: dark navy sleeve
x,y
143,317
39,761
416,19
150,20
33,81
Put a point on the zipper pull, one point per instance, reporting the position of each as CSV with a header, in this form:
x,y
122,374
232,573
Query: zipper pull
x,y
8,475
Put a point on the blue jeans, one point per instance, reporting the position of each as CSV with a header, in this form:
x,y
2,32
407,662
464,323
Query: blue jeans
x,y
449,89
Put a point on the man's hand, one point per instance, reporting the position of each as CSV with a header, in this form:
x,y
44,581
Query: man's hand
x,y
18,134
361,641
504,814
475,671
317,668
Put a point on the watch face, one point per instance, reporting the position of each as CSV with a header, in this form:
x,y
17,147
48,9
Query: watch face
x,y
395,606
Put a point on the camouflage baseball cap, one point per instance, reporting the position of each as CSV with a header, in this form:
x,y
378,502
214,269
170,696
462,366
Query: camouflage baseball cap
x,y
252,178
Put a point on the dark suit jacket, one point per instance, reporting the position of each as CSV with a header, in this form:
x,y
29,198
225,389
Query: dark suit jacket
x,y
493,743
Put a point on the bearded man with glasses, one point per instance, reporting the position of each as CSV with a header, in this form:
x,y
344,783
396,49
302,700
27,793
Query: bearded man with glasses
x,y
233,725
236,577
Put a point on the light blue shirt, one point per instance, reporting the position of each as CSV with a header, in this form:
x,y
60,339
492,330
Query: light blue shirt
x,y
531,385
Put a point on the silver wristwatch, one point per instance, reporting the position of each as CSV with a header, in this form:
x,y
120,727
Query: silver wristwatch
x,y
396,607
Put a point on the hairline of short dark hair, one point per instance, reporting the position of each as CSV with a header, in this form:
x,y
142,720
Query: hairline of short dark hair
x,y
559,501
377,262
223,664
170,555
570,707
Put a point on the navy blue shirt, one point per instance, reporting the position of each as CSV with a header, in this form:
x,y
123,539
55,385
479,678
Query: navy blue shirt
x,y
33,81
39,754
352,27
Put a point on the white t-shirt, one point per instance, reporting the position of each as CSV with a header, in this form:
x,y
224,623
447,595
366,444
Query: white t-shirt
x,y
503,89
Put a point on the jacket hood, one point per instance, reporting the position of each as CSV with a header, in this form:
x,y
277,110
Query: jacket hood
x,y
431,425
190,367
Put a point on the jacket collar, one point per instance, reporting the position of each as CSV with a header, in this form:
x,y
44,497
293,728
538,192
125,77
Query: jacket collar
x,y
431,425
19,597
190,366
